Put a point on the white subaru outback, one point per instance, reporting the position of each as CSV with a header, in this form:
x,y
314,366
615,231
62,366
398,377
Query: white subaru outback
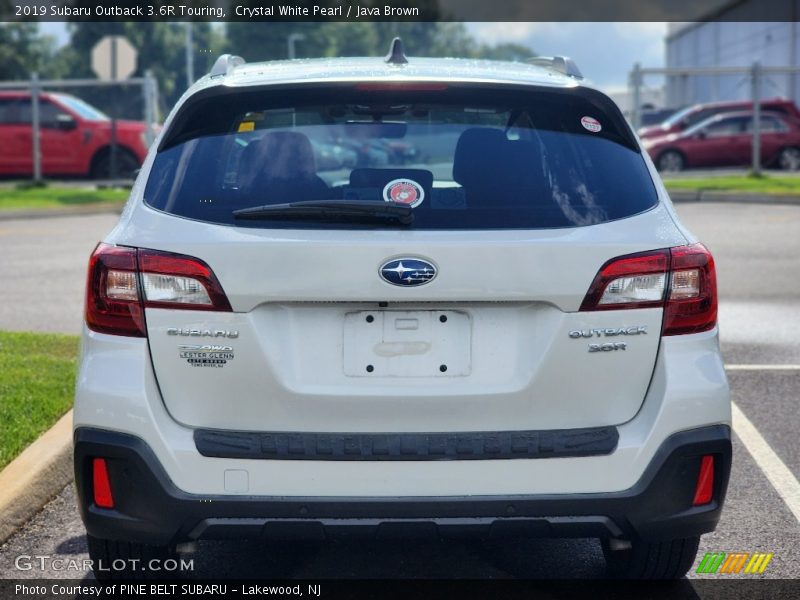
x,y
360,294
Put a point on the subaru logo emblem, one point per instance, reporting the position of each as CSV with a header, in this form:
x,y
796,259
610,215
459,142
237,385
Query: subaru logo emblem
x,y
407,271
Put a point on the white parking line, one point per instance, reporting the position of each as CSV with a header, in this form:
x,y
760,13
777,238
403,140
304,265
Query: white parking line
x,y
762,367
779,475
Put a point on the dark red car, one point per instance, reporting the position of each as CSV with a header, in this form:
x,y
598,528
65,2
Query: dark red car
x,y
75,138
726,140
692,115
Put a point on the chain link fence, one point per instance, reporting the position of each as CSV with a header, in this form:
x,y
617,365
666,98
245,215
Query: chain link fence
x,y
134,98
727,83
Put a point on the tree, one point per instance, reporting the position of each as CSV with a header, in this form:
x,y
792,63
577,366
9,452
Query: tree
x,y
508,51
23,50
269,41
161,49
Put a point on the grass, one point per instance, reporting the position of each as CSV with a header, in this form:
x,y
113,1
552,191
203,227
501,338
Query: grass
x,y
37,380
764,184
31,197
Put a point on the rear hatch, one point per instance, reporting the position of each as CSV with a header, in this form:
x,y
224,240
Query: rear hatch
x,y
341,314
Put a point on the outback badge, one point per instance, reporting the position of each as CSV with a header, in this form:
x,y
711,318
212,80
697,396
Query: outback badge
x,y
407,271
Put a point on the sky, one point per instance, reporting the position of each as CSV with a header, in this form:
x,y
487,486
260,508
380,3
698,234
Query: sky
x,y
605,52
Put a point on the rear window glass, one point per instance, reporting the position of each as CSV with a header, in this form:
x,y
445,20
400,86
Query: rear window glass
x,y
462,158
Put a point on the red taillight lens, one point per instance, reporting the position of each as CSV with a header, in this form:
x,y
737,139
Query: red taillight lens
x,y
704,488
681,279
112,292
101,485
122,282
692,300
177,281
632,281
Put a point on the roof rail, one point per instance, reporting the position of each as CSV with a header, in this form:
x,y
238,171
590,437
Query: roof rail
x,y
225,64
561,64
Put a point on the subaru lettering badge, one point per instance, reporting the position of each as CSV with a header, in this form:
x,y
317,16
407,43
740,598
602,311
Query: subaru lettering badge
x,y
407,271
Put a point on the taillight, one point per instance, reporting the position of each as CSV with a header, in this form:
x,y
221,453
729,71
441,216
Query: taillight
x,y
633,281
681,279
123,281
177,281
112,292
692,302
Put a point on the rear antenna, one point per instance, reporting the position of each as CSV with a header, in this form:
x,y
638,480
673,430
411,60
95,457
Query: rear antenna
x,y
397,53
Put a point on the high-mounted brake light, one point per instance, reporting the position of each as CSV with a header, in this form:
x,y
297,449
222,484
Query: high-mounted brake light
x,y
401,86
681,279
123,281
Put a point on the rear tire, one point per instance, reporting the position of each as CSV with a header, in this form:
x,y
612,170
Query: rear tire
x,y
126,164
671,161
671,559
109,555
789,159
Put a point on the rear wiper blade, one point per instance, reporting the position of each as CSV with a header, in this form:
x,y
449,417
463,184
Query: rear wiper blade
x,y
334,210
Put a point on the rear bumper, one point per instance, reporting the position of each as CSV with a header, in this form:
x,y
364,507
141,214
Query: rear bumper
x,y
149,508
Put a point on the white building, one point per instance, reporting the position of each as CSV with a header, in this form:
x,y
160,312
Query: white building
x,y
738,41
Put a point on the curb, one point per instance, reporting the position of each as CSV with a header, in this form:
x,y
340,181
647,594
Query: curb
x,y
36,476
725,197
44,213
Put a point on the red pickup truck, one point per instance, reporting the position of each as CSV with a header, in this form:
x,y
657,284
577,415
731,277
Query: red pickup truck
x,y
75,138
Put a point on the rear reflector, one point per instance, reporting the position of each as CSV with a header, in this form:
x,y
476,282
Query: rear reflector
x,y
682,280
704,489
122,282
101,485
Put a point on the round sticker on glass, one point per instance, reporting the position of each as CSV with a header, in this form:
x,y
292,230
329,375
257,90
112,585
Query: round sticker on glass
x,y
591,124
404,191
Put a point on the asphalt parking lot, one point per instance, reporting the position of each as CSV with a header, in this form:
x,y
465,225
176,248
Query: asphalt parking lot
x,y
757,249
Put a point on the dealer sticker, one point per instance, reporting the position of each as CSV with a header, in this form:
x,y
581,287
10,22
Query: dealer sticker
x,y
209,355
404,191
591,124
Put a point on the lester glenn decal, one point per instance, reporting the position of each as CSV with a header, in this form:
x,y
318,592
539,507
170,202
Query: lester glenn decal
x,y
207,355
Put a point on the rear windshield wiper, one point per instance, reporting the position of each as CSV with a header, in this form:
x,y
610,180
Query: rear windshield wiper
x,y
334,210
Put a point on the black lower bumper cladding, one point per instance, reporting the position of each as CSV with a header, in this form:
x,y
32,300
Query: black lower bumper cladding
x,y
479,445
150,509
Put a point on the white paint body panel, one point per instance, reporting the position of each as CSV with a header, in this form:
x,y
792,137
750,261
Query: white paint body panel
x,y
116,390
288,373
291,291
